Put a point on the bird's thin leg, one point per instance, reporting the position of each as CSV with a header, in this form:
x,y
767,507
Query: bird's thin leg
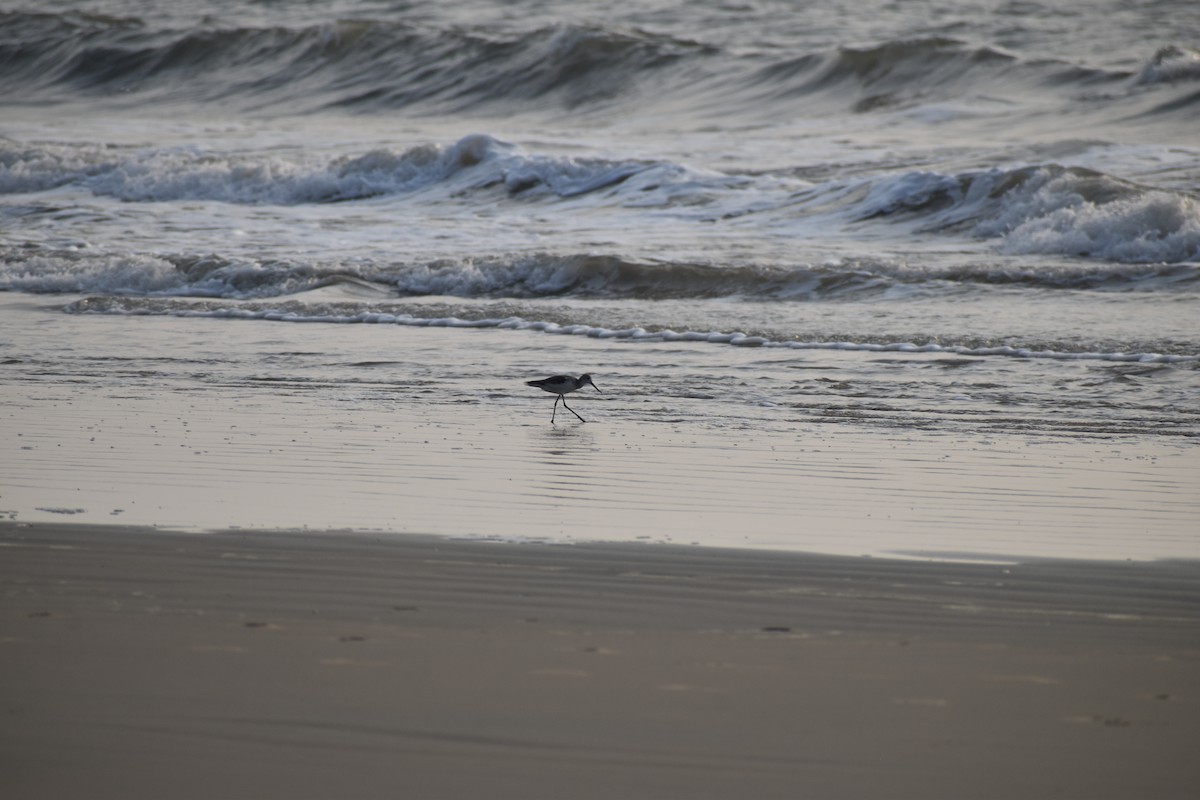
x,y
568,408
555,411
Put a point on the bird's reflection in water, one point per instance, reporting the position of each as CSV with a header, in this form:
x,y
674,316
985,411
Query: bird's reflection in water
x,y
564,455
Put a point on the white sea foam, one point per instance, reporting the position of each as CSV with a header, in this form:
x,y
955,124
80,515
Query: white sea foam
x,y
1085,215
1045,209
107,274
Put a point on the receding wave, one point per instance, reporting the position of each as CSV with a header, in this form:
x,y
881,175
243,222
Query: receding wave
x,y
348,313
549,275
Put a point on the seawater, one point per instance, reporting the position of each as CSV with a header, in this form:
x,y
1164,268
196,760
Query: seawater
x,y
923,215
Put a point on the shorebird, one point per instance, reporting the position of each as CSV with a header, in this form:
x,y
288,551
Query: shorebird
x,y
562,385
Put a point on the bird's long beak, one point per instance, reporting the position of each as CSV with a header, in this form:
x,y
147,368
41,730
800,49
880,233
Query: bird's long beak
x,y
594,386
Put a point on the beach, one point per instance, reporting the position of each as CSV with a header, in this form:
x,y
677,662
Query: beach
x,y
885,484
219,579
152,664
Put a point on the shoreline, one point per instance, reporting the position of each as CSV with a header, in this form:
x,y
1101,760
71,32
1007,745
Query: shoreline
x,y
149,663
259,426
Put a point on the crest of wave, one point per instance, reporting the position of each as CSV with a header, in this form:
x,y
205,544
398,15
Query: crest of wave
x,y
1171,64
1066,213
192,173
110,274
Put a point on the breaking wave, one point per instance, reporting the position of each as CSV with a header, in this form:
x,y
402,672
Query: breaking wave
x,y
1046,209
192,173
1039,208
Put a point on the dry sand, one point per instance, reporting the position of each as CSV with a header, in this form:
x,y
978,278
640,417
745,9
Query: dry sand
x,y
141,664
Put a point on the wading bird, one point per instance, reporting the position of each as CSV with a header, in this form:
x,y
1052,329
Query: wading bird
x,y
561,385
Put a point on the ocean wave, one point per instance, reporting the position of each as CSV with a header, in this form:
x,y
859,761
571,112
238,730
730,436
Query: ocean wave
x,y
1089,214
357,63
536,276
302,313
547,275
192,173
888,74
1038,208
1045,209
1171,64
382,65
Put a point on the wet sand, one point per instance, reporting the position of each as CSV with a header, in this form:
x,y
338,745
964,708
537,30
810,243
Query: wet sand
x,y
207,424
149,664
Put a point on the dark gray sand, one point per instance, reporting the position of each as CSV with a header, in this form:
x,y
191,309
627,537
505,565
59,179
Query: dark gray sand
x,y
141,664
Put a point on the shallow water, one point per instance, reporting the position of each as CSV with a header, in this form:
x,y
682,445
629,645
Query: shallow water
x,y
955,231
407,429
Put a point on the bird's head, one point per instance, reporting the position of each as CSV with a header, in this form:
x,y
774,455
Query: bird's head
x,y
587,379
